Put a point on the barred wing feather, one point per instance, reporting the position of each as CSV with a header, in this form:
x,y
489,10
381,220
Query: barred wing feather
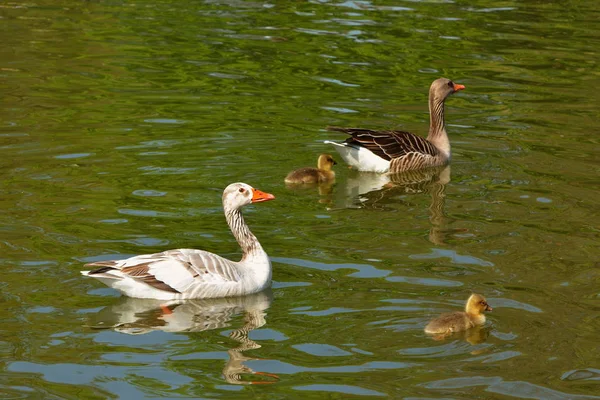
x,y
175,270
388,144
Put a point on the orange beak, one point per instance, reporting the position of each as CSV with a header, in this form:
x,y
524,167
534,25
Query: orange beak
x,y
458,87
258,196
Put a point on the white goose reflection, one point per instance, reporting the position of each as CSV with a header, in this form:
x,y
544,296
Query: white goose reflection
x,y
371,190
140,316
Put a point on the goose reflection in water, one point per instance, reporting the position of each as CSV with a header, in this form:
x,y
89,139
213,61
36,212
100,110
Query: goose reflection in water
x,y
377,191
140,316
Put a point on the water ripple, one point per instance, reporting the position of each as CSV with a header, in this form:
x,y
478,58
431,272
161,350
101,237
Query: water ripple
x,y
342,389
453,256
321,350
86,374
335,81
364,270
589,374
424,281
498,385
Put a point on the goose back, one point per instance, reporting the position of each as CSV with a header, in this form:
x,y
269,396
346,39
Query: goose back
x,y
404,150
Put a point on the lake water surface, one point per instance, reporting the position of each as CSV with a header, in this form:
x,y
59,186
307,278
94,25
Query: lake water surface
x,y
122,122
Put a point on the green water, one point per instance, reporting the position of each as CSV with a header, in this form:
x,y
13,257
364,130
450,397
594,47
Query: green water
x,y
121,123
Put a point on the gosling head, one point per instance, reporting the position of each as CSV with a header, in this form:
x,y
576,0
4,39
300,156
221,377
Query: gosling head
x,y
477,304
326,162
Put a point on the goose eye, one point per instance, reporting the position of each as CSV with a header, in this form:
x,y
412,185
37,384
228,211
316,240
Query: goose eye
x,y
242,190
451,84
482,303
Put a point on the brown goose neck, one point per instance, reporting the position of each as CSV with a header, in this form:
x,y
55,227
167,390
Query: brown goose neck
x,y
240,230
437,124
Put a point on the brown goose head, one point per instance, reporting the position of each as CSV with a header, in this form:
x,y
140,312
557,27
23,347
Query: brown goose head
x,y
325,162
442,88
477,305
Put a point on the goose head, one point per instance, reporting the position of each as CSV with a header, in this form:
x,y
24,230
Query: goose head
x,y
241,194
325,162
442,88
477,304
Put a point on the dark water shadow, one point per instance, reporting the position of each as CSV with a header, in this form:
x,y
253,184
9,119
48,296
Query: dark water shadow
x,y
141,316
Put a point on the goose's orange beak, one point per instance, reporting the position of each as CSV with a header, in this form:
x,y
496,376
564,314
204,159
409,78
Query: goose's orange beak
x,y
458,87
258,196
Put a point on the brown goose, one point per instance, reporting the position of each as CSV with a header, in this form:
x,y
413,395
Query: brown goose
x,y
398,151
322,173
458,321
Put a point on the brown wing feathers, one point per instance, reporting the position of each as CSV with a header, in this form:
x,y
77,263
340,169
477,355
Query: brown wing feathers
x,y
142,272
388,144
139,271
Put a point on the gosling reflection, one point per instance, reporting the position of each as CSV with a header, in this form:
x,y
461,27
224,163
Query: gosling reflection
x,y
476,335
325,189
473,336
380,191
139,316
321,178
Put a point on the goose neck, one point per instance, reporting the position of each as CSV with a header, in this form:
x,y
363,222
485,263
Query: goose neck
x,y
241,231
437,125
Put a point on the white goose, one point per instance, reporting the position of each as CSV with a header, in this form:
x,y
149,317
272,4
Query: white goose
x,y
399,151
196,274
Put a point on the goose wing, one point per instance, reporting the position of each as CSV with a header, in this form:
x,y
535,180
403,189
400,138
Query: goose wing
x,y
388,144
173,271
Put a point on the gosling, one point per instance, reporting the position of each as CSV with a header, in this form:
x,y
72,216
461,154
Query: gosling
x,y
321,174
460,320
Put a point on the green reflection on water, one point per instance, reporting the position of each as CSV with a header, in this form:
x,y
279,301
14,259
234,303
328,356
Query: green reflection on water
x,y
122,123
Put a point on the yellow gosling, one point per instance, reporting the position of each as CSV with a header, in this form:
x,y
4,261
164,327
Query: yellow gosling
x,y
323,172
458,321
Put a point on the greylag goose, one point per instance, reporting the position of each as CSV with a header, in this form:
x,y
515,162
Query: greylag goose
x,y
322,173
195,274
460,320
398,151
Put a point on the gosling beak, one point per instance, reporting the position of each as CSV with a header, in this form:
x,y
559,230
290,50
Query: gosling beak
x,y
488,308
458,87
259,196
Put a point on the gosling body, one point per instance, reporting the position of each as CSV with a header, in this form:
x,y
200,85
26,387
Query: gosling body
x,y
460,320
323,173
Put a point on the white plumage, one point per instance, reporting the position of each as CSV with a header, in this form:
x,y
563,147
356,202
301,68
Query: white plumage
x,y
191,273
360,158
